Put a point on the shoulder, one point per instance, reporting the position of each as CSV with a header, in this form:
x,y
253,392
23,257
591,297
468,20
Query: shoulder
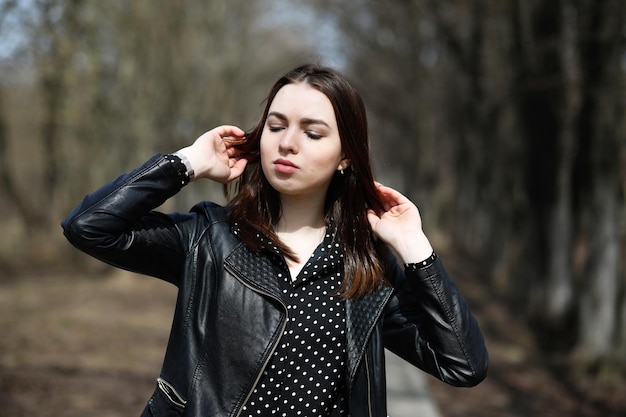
x,y
212,211
213,224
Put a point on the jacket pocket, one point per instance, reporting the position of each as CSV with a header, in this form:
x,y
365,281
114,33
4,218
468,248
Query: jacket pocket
x,y
165,402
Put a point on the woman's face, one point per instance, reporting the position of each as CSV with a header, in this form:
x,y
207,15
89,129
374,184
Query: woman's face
x,y
300,145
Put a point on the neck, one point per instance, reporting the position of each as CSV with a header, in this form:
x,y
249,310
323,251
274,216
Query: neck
x,y
301,227
300,214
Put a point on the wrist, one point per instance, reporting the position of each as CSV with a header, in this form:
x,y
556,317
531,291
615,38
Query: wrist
x,y
423,264
414,249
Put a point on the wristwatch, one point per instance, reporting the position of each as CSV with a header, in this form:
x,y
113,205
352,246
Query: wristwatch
x,y
189,173
182,166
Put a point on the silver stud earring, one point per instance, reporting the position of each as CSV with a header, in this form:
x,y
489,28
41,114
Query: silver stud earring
x,y
341,172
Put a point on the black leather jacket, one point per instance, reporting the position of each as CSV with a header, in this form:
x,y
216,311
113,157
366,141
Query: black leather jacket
x,y
229,316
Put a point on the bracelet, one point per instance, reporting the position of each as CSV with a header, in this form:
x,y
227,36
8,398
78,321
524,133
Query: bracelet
x,y
414,266
182,166
190,172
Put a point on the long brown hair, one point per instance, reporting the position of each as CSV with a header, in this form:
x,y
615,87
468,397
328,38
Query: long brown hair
x,y
256,205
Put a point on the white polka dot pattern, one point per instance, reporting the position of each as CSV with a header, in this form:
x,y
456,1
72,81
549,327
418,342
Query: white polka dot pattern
x,y
305,375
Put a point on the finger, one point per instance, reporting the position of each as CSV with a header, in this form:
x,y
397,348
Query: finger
x,y
229,131
237,168
373,219
232,151
385,191
386,197
380,189
392,196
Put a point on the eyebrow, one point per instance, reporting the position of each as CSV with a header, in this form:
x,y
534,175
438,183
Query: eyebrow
x,y
306,121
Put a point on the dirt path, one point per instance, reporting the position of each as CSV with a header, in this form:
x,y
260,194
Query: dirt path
x,y
76,346
73,345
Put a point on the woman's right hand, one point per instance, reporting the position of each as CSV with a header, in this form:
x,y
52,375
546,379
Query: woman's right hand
x,y
214,155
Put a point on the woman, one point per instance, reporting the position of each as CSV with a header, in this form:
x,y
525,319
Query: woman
x,y
289,294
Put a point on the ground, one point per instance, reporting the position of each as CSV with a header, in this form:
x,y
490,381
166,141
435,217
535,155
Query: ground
x,y
77,344
522,381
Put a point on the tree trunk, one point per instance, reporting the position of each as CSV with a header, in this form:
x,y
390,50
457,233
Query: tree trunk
x,y
547,90
598,307
559,288
9,192
603,199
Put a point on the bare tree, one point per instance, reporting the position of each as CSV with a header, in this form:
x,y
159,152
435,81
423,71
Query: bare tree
x,y
543,57
602,201
12,197
509,112
108,84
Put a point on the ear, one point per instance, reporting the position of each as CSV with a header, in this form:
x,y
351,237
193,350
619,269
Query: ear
x,y
343,164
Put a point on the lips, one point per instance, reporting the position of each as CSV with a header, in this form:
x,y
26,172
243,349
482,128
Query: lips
x,y
285,166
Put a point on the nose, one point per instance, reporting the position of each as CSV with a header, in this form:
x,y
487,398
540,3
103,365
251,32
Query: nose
x,y
288,141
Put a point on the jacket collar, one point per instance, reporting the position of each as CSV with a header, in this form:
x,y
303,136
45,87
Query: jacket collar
x,y
256,271
362,315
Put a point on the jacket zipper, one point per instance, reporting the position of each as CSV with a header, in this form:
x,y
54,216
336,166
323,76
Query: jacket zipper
x,y
171,393
369,385
271,352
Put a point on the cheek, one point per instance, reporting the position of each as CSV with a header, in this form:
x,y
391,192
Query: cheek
x,y
263,147
331,157
325,165
265,163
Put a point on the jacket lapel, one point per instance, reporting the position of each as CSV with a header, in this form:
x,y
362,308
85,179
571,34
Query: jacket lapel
x,y
255,269
361,317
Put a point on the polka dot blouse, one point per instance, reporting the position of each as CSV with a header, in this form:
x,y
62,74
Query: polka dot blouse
x,y
305,375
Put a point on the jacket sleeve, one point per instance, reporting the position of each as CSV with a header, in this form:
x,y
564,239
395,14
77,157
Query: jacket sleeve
x,y
118,225
429,324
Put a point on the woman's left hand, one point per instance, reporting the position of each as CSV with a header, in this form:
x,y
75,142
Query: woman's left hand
x,y
400,226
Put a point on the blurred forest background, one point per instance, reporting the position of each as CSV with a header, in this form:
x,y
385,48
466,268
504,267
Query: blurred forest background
x,y
504,120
